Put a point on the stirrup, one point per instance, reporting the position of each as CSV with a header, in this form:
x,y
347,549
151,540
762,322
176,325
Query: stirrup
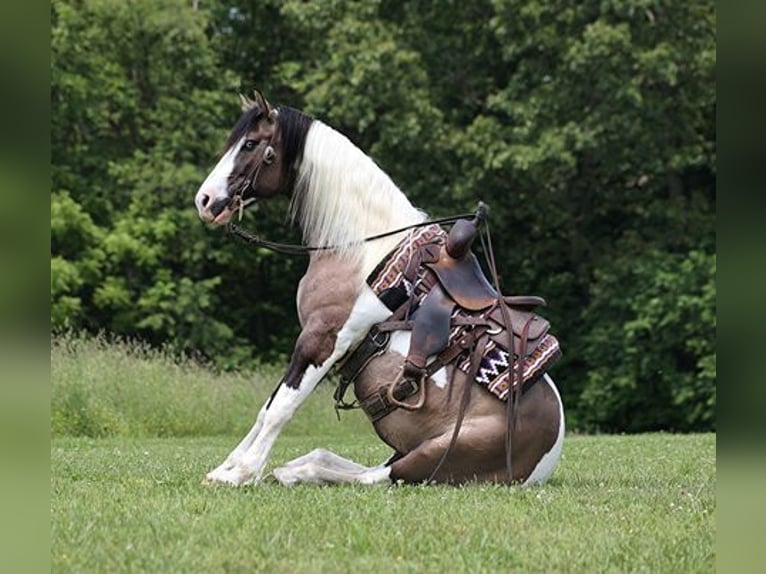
x,y
421,390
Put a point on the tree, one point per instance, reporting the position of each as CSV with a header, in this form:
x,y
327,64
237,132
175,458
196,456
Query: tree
x,y
139,104
650,343
588,128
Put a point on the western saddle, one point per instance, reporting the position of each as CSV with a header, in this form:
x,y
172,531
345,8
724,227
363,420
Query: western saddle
x,y
453,313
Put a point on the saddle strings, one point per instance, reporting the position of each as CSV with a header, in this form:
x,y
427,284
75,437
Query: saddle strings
x,y
476,356
513,393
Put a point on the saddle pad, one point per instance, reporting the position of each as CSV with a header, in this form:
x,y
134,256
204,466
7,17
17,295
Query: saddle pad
x,y
390,272
493,372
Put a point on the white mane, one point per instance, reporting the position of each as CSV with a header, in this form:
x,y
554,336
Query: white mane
x,y
342,196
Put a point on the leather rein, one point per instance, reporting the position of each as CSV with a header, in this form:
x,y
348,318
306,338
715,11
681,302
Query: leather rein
x,y
296,249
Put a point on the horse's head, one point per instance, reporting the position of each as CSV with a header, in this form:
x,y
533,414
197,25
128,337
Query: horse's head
x,y
251,166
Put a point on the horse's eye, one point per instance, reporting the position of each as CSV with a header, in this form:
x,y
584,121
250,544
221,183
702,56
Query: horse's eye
x,y
250,145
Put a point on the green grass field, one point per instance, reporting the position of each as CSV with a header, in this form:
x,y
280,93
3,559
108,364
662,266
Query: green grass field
x,y
129,497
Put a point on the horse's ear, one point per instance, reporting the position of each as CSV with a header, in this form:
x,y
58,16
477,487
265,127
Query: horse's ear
x,y
247,103
260,101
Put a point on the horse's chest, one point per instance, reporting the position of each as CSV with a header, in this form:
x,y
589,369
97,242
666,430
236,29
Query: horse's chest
x,y
327,292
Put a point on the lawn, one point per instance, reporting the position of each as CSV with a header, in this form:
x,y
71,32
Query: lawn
x,y
616,504
130,497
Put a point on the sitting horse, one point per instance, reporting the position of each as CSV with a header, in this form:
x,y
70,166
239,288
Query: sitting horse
x,y
385,311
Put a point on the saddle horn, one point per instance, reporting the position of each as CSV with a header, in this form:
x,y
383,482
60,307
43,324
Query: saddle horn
x,y
463,233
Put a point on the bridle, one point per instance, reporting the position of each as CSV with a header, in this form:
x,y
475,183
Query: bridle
x,y
238,202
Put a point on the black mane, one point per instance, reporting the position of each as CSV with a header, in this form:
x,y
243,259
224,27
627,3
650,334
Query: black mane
x,y
294,126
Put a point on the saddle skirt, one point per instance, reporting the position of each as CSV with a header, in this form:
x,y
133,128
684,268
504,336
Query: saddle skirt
x,y
407,277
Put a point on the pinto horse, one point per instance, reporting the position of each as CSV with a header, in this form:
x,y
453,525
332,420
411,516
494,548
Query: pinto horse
x,y
338,198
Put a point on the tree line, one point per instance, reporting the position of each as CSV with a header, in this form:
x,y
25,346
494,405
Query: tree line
x,y
588,128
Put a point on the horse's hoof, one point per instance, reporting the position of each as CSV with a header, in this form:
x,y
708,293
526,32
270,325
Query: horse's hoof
x,y
284,476
231,477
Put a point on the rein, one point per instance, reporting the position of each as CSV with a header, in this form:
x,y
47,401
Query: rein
x,y
294,249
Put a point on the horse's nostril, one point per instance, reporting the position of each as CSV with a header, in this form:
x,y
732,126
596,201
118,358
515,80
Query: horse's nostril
x,y
204,200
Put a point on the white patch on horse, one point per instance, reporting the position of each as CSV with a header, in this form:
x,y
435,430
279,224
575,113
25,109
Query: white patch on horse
x,y
321,466
215,185
550,459
368,310
400,343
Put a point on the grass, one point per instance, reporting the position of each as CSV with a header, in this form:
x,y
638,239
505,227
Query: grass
x,y
135,503
102,389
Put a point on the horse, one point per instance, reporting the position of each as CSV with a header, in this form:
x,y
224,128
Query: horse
x,y
339,198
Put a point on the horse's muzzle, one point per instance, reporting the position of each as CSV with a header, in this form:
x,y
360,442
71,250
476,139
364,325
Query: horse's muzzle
x,y
217,211
217,207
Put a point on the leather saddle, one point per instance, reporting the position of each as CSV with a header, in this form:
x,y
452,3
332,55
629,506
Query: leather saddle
x,y
442,295
461,283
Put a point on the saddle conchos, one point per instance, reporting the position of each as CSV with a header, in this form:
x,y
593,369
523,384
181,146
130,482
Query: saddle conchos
x,y
435,287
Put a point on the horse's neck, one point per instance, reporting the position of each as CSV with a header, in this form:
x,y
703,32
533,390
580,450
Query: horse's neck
x,y
345,197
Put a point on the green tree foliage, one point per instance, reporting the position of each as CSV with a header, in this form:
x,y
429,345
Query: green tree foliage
x,y
650,338
588,128
140,106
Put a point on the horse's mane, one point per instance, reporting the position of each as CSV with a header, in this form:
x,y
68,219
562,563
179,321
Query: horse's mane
x,y
294,126
341,195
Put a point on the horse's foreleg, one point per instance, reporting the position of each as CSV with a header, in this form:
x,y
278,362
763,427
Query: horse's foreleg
x,y
314,345
236,455
245,464
292,378
316,352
